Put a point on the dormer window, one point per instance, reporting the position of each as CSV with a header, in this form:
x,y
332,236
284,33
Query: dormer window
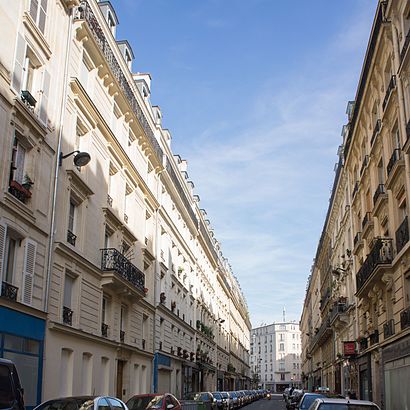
x,y
145,92
109,14
128,58
126,52
111,23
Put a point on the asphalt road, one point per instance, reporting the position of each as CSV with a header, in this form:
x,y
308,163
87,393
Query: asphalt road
x,y
275,403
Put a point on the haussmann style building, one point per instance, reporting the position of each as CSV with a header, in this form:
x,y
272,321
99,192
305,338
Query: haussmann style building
x,y
112,279
355,323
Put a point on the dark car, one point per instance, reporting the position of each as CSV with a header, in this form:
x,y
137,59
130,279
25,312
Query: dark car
x,y
11,392
221,403
155,401
205,397
307,399
83,403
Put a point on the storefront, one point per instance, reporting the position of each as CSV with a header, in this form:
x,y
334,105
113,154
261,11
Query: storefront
x,y
365,377
22,341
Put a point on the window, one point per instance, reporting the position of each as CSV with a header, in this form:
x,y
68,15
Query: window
x,y
282,376
396,138
17,160
282,347
72,213
38,12
69,282
123,321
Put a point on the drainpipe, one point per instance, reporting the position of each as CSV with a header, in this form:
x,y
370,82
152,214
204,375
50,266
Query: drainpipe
x,y
56,171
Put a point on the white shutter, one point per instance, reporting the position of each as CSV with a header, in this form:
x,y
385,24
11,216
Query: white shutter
x,y
28,271
3,237
19,63
44,97
42,17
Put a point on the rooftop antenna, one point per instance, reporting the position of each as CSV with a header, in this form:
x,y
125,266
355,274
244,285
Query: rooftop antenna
x,y
284,314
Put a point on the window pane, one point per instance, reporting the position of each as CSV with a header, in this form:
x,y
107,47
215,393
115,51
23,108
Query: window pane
x,y
12,342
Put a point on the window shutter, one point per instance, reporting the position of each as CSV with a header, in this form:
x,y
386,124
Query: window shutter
x,y
28,272
44,97
34,9
20,157
42,17
19,63
3,236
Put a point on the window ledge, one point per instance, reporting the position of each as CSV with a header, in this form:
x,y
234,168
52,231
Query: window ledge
x,y
37,34
19,208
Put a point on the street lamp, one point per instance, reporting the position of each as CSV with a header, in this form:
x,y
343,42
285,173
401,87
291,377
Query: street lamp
x,y
80,159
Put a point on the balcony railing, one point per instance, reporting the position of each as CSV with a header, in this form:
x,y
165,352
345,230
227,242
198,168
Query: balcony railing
x,y
402,235
390,88
9,291
67,316
109,200
379,191
393,159
337,310
104,329
381,254
374,337
355,189
405,318
357,238
113,260
388,328
367,218
71,237
364,164
363,344
28,99
85,13
122,336
18,191
405,47
376,131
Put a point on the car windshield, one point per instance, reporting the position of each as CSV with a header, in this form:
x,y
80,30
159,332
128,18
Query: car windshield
x,y
81,403
145,402
217,395
343,406
308,399
224,395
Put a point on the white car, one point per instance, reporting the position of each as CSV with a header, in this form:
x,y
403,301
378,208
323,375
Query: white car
x,y
343,404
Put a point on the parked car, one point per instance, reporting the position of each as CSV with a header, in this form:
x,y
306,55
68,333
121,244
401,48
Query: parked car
x,y
155,401
11,392
234,399
342,404
227,399
294,398
221,404
83,403
206,397
307,399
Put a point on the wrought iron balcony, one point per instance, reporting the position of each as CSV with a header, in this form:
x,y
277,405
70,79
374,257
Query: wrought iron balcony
x,y
390,88
405,47
393,159
379,191
113,260
402,235
71,237
122,336
18,191
337,310
366,220
104,329
374,337
85,13
67,316
376,131
381,254
109,200
364,164
388,328
9,291
405,318
28,99
363,344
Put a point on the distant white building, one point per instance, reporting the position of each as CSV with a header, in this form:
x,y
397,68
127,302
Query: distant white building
x,y
275,356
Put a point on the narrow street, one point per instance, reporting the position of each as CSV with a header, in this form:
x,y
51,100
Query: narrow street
x,y
275,403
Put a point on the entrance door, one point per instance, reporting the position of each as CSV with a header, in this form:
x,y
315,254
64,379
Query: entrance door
x,y
120,370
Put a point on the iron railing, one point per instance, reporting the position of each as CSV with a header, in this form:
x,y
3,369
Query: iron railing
x,y
337,310
379,191
381,254
113,260
390,88
18,191
67,316
393,159
376,131
85,13
405,318
374,337
402,235
71,237
388,328
9,291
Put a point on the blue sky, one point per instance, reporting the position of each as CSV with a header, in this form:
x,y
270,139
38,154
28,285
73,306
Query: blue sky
x,y
254,94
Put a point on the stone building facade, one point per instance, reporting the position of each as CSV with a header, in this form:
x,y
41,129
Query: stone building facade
x,y
112,279
356,317
276,356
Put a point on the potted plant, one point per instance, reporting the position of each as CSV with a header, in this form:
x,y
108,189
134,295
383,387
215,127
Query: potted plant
x,y
27,181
